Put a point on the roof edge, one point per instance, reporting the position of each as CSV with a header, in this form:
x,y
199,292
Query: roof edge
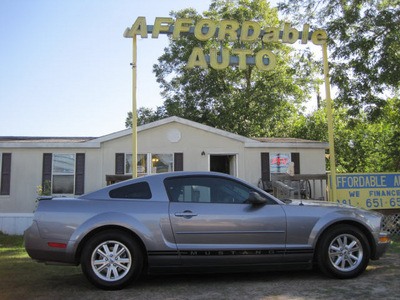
x,y
90,142
288,144
168,120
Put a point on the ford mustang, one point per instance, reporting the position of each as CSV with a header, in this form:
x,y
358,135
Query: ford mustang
x,y
199,222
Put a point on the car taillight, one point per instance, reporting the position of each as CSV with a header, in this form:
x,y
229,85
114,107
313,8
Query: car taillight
x,y
58,245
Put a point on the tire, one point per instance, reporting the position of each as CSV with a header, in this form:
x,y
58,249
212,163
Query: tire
x,y
343,252
111,259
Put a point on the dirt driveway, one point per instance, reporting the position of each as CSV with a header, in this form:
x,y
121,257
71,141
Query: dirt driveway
x,y
23,278
380,281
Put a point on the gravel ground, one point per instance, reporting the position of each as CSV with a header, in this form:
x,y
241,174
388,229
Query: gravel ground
x,y
380,280
23,278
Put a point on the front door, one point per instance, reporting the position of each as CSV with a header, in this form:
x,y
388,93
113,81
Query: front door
x,y
223,163
212,224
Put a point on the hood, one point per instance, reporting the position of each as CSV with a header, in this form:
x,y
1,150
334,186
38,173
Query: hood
x,y
318,203
305,202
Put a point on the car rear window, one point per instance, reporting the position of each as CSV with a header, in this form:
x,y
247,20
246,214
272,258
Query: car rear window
x,y
139,190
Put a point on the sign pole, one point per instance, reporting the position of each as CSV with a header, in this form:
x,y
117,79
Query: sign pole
x,y
330,122
134,113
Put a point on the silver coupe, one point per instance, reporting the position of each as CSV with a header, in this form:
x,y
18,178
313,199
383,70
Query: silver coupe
x,y
199,222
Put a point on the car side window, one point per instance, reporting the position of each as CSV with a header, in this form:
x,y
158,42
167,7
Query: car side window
x,y
206,189
139,190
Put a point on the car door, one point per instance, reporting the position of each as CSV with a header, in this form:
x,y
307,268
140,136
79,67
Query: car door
x,y
213,224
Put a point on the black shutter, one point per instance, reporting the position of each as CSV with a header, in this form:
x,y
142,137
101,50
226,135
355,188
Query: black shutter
x,y
5,174
265,168
296,160
80,174
119,163
46,170
178,162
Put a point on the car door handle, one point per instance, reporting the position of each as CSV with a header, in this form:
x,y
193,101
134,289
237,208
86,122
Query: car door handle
x,y
186,214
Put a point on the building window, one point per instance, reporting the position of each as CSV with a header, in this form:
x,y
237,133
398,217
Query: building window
x,y
279,162
150,163
141,164
63,173
5,173
162,163
276,163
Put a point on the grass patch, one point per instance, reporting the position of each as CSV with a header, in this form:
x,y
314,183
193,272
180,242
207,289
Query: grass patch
x,y
23,278
395,245
7,241
11,247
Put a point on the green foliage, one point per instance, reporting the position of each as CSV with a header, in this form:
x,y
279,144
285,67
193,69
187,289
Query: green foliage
x,y
360,145
248,102
11,241
364,41
44,190
145,115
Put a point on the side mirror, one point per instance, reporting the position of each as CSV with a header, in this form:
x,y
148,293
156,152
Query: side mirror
x,y
256,198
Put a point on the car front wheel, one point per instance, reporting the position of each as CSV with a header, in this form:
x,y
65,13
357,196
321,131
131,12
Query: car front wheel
x,y
111,259
343,252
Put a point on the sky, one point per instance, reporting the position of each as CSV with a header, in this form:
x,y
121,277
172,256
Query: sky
x,y
65,65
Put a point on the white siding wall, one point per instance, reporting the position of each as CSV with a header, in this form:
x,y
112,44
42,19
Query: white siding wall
x,y
26,175
15,223
26,167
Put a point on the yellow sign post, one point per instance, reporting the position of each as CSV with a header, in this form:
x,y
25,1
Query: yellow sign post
x,y
330,123
134,113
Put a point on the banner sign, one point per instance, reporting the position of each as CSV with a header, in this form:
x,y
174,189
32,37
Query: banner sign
x,y
368,190
227,31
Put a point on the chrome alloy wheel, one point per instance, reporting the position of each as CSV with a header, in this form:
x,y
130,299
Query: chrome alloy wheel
x,y
345,252
111,261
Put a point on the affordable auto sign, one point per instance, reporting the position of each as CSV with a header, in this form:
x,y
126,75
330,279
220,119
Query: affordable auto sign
x,y
230,31
372,190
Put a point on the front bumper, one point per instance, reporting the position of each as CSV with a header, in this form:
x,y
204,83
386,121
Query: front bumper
x,y
382,245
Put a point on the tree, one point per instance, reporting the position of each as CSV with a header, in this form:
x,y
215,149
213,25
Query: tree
x,y
145,115
388,129
365,66
248,102
360,145
364,41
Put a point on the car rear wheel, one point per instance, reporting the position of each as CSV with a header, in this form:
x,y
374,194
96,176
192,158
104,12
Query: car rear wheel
x,y
111,259
343,252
